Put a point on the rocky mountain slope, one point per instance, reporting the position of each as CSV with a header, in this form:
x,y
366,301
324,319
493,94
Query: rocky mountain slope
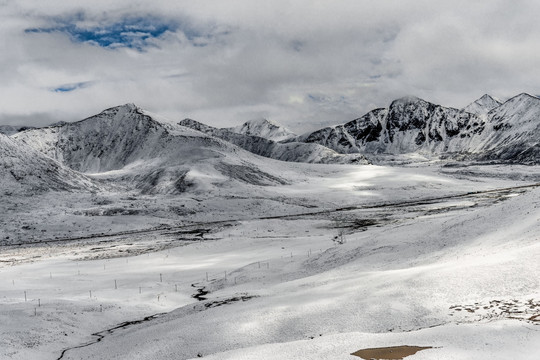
x,y
264,128
487,131
127,145
292,151
26,171
512,132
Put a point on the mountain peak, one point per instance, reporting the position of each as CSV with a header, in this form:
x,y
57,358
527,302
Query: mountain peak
x,y
487,97
483,105
520,103
524,96
264,128
130,106
407,100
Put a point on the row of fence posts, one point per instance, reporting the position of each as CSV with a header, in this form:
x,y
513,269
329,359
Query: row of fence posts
x,y
259,264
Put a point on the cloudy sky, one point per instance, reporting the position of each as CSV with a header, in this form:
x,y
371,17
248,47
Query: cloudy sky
x,y
303,63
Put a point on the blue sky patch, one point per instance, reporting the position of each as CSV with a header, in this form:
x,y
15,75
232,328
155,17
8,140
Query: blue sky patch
x,y
70,87
135,32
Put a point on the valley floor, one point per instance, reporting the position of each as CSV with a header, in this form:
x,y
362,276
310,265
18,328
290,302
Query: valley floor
x,y
343,259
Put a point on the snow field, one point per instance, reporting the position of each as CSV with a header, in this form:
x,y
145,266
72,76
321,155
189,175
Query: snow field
x,y
386,285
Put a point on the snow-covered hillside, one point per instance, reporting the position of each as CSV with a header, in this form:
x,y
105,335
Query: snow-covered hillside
x,y
292,151
412,125
264,128
25,171
346,258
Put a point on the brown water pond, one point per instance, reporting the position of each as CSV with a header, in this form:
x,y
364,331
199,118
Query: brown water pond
x,y
389,353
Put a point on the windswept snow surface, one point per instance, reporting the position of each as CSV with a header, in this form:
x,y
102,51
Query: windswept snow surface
x,y
429,257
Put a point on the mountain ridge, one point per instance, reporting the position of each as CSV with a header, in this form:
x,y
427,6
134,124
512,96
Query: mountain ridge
x,y
289,151
413,125
482,105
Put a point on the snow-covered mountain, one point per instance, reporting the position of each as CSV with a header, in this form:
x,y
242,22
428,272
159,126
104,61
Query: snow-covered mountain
x,y
264,128
25,171
512,132
483,105
152,155
412,125
409,125
292,151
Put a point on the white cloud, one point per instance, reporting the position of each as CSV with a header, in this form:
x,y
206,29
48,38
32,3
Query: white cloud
x,y
228,61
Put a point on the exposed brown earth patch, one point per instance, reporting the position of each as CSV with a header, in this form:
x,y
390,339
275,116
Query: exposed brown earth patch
x,y
390,353
528,311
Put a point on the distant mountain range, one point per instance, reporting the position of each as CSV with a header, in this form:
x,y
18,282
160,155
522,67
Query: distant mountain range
x,y
127,145
264,146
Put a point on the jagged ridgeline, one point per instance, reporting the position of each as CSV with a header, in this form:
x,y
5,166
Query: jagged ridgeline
x,y
485,130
